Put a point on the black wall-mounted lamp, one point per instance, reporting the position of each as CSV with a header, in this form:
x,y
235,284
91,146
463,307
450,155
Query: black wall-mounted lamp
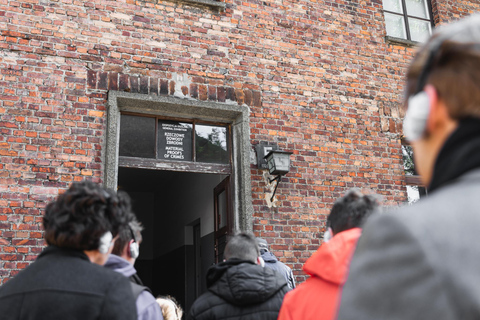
x,y
278,164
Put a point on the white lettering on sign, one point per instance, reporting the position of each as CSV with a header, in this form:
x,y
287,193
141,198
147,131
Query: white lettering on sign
x,y
174,135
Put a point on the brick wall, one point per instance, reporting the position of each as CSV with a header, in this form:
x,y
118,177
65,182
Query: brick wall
x,y
318,76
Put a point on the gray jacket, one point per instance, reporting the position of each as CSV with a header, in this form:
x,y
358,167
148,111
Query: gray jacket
x,y
272,262
147,306
422,262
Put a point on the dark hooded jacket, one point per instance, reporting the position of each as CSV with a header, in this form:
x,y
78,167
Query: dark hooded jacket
x,y
239,289
64,284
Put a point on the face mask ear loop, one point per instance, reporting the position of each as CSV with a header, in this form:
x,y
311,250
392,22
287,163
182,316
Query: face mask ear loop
x,y
327,235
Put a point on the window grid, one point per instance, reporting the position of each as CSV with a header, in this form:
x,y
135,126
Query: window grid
x,y
405,16
194,122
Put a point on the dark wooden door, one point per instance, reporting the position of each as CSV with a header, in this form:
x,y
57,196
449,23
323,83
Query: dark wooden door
x,y
223,217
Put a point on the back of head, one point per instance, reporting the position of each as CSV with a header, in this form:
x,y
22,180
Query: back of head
x,y
262,245
242,246
351,210
83,214
131,231
450,61
171,309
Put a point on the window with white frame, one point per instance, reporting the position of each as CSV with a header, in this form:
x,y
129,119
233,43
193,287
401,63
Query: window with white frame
x,y
408,19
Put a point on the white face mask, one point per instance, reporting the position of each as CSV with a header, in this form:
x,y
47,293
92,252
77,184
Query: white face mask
x,y
415,122
327,235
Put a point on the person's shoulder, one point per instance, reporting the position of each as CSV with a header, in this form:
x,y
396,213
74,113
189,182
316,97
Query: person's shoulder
x,y
147,306
204,304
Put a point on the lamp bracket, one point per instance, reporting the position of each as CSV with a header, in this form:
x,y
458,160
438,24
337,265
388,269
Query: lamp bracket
x,y
279,178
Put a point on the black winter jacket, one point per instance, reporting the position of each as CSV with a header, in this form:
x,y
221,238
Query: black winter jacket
x,y
64,284
240,290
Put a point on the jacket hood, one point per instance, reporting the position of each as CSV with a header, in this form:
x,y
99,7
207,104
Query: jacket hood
x,y
120,265
244,283
332,259
269,257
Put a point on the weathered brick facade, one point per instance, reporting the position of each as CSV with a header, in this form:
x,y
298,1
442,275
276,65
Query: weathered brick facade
x,y
318,76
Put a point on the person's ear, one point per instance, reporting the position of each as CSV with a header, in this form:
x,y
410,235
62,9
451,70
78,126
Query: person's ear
x,y
434,109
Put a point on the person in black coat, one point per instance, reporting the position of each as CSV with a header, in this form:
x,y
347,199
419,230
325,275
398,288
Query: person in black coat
x,y
67,280
240,288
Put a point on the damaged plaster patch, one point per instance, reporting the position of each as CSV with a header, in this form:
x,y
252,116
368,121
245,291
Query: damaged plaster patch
x,y
181,80
267,177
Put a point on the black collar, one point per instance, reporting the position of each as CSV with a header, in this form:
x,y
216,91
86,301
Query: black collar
x,y
54,250
459,154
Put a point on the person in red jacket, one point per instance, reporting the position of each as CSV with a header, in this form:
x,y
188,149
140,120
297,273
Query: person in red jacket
x,y
318,297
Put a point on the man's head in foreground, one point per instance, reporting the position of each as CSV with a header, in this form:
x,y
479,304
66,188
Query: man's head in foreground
x,y
443,89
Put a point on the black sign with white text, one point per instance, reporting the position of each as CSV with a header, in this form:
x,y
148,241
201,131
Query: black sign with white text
x,y
174,141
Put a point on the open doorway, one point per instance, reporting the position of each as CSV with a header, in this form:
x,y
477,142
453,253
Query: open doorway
x,y
177,212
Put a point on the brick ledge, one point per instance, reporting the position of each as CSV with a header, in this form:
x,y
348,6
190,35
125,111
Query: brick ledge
x,y
400,41
211,3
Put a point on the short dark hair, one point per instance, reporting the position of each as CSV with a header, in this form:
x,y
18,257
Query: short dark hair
x,y
78,218
351,210
242,246
125,234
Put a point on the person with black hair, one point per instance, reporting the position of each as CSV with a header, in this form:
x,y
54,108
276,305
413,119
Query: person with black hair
x,y
239,287
318,297
67,280
421,261
125,251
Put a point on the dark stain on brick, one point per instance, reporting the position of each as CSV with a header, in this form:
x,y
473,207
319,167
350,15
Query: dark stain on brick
x,y
231,94
212,93
123,82
134,84
144,85
194,90
172,87
113,81
257,99
163,86
185,90
221,94
154,86
103,80
91,79
248,97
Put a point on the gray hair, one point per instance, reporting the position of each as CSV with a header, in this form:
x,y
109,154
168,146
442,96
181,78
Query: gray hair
x,y
242,246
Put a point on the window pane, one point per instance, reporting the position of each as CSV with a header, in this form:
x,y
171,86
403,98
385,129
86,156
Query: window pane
x,y
174,141
417,8
408,165
137,136
393,5
419,30
395,25
413,194
211,144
